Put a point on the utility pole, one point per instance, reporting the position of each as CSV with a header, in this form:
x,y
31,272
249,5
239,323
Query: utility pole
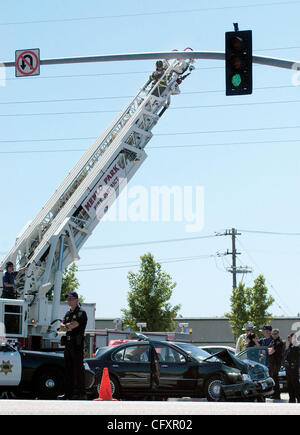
x,y
234,269
234,233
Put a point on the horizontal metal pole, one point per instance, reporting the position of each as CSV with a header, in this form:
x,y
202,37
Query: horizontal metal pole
x,y
209,55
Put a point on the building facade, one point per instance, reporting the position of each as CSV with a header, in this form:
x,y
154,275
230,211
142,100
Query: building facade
x,y
211,330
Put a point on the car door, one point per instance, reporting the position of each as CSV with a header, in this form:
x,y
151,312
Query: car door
x,y
131,364
10,366
178,372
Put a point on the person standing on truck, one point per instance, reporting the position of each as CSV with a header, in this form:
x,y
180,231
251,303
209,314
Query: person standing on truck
x,y
74,323
8,281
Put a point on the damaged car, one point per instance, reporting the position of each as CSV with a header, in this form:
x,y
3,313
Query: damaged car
x,y
156,370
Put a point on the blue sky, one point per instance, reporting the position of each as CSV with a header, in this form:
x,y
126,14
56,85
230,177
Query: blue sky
x,y
250,178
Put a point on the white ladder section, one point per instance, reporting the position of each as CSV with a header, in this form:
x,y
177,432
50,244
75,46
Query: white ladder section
x,y
53,239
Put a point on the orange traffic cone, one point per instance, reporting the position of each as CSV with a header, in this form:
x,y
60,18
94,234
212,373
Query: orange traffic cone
x,y
105,388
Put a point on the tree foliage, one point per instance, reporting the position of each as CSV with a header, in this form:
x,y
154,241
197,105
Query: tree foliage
x,y
148,298
250,304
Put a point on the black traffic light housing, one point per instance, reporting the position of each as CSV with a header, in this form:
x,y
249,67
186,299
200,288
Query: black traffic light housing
x,y
238,60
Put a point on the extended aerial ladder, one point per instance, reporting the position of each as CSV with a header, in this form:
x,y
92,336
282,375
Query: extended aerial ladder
x,y
52,241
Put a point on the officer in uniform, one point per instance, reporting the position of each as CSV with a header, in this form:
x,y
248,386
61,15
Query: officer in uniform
x,y
292,364
276,353
74,323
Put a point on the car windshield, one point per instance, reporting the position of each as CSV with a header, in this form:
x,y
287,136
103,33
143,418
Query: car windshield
x,y
101,351
195,352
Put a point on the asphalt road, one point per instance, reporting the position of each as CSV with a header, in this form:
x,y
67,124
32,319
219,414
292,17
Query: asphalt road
x,y
182,407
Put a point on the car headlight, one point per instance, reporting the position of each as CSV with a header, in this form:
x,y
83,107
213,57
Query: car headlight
x,y
246,378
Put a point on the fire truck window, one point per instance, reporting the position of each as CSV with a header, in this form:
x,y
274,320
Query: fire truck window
x,y
13,319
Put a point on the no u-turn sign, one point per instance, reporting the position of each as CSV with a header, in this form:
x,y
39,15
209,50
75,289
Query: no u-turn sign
x,y
28,62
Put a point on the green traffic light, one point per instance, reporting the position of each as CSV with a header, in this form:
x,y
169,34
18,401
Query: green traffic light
x,y
236,80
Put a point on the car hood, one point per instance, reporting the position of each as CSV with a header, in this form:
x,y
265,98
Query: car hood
x,y
230,360
41,354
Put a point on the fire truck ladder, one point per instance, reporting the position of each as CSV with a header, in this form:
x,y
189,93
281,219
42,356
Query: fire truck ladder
x,y
52,241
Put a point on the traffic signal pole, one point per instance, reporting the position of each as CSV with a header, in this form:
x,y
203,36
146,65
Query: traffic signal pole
x,y
206,55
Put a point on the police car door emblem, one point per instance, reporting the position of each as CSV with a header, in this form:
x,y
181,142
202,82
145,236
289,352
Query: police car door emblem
x,y
6,367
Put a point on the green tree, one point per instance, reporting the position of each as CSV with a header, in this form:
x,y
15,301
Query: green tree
x,y
148,298
259,302
239,314
250,304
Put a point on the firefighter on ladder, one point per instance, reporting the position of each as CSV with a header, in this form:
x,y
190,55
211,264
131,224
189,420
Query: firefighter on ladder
x,y
156,76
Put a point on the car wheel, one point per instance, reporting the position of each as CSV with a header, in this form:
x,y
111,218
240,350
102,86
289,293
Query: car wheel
x,y
49,383
213,389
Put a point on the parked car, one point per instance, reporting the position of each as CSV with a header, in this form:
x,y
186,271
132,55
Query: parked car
x,y
157,369
38,374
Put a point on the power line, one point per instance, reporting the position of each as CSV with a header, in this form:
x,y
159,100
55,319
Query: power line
x,y
268,281
117,97
158,134
141,14
125,245
284,141
149,242
272,233
162,261
91,112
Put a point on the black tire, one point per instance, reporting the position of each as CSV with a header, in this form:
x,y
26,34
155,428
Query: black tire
x,y
213,391
49,383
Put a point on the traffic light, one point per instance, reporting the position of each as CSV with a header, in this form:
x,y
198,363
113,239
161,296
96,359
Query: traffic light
x,y
238,51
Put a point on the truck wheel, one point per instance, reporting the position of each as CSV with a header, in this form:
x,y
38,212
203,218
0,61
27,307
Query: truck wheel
x,y
213,389
49,383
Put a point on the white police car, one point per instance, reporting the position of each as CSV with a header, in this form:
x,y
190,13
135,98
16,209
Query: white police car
x,y
38,374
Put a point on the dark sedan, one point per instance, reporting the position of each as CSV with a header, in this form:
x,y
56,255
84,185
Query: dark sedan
x,y
149,369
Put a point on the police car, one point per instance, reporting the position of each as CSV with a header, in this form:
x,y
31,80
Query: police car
x,y
36,374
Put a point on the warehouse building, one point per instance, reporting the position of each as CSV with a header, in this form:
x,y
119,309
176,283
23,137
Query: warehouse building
x,y
208,330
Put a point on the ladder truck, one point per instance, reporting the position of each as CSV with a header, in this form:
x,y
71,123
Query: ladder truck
x,y
52,241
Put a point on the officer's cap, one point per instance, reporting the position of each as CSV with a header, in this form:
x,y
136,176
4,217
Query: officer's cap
x,y
267,328
72,295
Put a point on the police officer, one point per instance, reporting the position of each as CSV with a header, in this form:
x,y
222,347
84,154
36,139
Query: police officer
x,y
74,323
276,352
292,364
8,281
267,340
